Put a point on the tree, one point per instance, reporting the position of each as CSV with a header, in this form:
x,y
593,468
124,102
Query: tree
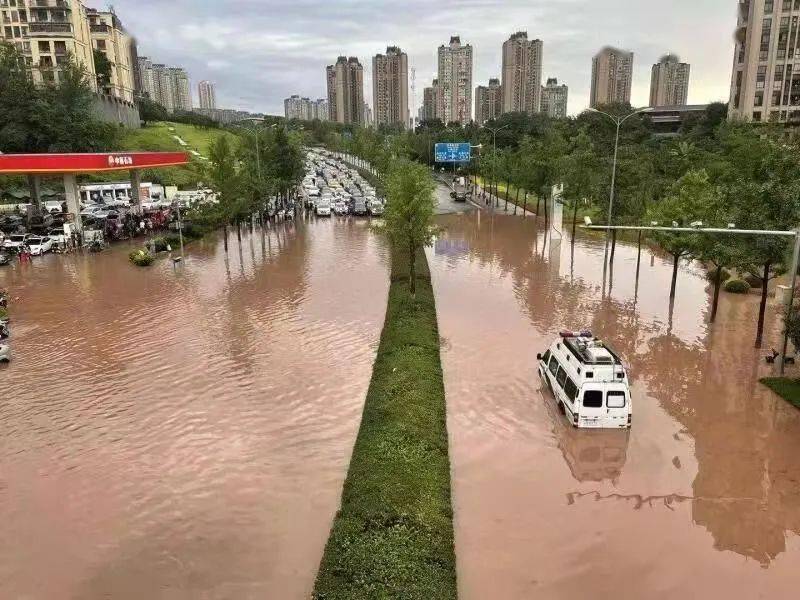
x,y
408,220
102,68
762,184
57,117
151,112
581,174
225,181
684,204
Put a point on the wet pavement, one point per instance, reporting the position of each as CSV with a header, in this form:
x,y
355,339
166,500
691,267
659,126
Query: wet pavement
x,y
701,499
446,205
185,433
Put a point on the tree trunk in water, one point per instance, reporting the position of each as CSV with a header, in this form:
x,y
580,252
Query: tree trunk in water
x,y
238,232
574,221
546,216
639,257
225,236
762,310
717,286
675,262
525,206
516,201
613,246
537,204
508,185
412,269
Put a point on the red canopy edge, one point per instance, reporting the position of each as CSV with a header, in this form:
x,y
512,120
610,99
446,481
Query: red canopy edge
x,y
90,162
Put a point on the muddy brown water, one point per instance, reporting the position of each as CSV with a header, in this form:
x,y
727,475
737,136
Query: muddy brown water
x,y
185,433
701,499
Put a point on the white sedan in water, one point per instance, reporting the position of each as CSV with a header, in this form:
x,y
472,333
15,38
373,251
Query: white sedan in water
x,y
39,245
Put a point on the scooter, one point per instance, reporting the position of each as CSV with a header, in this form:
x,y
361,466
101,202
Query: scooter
x,y
771,358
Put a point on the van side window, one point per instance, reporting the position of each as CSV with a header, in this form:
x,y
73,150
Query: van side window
x,y
561,378
546,357
593,399
553,365
571,389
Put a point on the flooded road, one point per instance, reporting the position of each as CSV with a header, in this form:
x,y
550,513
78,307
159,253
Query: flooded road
x,y
701,499
185,433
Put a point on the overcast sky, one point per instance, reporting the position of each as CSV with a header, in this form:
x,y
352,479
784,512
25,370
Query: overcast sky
x,y
258,52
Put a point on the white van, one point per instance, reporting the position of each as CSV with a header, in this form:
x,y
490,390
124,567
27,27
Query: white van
x,y
588,380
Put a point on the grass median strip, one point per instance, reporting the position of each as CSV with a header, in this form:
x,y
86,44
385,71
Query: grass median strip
x,y
786,388
393,536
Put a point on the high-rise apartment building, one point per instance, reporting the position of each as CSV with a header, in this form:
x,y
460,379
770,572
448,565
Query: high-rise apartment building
x,y
554,99
319,109
612,75
765,80
47,33
522,73
488,101
390,87
304,109
182,89
167,86
295,107
669,82
206,90
454,100
345,82
109,37
429,102
367,118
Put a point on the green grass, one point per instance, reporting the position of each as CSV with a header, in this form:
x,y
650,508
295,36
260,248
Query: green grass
x,y
157,137
393,536
788,389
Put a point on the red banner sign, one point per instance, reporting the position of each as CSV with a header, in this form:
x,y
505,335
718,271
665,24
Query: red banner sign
x,y
88,163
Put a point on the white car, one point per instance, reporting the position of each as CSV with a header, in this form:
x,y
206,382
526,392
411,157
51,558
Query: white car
x,y
16,240
93,210
39,245
5,353
52,206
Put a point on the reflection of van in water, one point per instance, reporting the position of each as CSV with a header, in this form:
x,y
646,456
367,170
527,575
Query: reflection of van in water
x,y
588,381
595,455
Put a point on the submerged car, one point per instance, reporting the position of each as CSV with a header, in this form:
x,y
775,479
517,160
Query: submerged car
x,y
39,245
5,353
16,241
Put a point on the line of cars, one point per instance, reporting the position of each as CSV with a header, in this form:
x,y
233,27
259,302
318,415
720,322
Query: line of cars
x,y
41,234
331,187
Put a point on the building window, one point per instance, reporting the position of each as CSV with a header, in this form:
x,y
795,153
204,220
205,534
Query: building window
x,y
44,47
759,99
757,116
768,6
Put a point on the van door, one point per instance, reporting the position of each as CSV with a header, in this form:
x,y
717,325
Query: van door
x,y
618,404
592,406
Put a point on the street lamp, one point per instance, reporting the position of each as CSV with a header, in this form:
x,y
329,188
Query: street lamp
x,y
494,131
618,122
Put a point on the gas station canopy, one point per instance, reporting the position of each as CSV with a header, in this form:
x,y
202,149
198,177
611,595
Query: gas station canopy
x,y
41,164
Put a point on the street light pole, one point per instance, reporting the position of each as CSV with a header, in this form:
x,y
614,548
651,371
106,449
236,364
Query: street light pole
x,y
790,299
618,122
494,155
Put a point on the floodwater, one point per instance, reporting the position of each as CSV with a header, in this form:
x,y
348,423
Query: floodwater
x,y
701,499
185,432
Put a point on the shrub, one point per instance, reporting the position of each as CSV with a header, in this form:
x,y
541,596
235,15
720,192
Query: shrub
x,y
712,275
159,244
752,281
173,239
3,314
737,286
141,258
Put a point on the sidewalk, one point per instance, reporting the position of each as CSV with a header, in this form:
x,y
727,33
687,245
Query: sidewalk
x,y
483,197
